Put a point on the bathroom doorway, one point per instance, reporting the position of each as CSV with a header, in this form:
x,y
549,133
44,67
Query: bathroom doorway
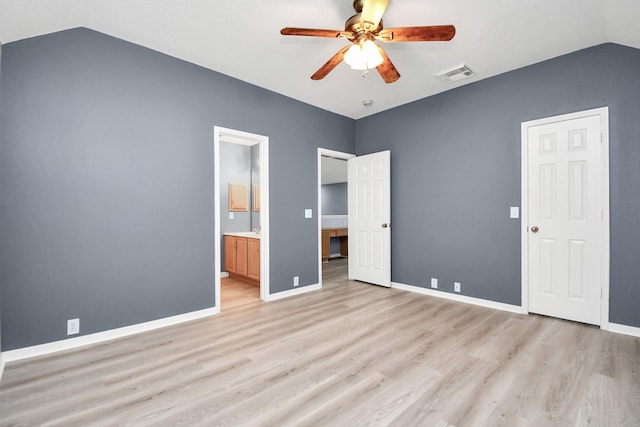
x,y
241,207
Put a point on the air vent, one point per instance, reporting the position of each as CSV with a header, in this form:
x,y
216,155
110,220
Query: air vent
x,y
454,74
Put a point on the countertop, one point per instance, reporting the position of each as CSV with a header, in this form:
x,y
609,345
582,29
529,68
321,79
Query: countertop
x,y
250,234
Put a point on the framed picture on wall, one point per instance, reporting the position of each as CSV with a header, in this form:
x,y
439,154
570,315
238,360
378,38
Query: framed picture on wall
x,y
238,197
256,198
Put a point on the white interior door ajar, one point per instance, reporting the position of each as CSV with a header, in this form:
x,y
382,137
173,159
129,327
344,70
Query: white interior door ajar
x,y
369,194
565,218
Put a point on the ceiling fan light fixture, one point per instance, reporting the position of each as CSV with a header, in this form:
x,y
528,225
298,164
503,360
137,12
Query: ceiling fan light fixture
x,y
363,57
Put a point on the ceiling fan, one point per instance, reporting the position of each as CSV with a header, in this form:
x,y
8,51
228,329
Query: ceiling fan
x,y
362,29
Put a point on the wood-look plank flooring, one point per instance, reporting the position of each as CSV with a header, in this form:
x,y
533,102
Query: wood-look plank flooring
x,y
350,354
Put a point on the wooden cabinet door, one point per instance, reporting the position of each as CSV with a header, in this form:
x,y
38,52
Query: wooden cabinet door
x,y
253,259
230,250
326,244
241,256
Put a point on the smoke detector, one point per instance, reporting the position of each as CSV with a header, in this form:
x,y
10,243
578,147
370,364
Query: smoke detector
x,y
454,74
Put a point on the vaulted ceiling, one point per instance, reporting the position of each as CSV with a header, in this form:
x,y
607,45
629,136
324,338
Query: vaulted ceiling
x,y
242,39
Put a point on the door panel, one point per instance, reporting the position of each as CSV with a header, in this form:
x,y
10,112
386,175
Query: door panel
x,y
370,218
565,167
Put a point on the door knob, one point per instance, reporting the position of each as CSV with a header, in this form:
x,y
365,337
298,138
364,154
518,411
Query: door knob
x,y
534,229
385,225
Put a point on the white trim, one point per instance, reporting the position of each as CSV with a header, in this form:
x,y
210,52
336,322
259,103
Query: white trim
x,y
217,248
294,292
233,136
335,216
71,343
265,260
2,364
459,298
624,329
611,327
338,155
603,112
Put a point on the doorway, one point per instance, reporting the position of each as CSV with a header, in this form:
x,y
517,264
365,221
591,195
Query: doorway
x,y
565,221
254,202
333,214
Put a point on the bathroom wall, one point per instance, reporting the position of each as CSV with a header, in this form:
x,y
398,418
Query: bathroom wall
x,y
235,168
334,203
255,180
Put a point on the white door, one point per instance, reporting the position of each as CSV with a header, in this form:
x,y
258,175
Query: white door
x,y
370,218
565,218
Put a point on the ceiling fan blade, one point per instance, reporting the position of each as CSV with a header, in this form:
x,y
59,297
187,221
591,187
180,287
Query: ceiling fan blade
x,y
418,34
312,32
372,12
387,70
330,64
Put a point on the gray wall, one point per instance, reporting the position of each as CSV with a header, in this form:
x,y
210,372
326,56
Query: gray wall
x,y
334,202
334,199
455,171
106,177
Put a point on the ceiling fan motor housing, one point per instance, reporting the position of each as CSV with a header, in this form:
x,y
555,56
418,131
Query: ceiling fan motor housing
x,y
353,24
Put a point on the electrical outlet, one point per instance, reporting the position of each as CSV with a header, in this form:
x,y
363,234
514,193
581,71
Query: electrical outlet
x,y
456,286
73,326
296,280
434,283
308,213
231,215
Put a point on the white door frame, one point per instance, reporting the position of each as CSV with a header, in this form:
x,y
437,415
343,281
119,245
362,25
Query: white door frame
x,y
337,155
603,112
221,134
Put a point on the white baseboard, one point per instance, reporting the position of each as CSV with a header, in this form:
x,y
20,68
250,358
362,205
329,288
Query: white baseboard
x,y
460,298
98,337
624,329
293,292
224,274
612,327
2,363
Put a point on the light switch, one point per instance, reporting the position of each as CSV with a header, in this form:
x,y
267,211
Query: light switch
x,y
515,212
308,213
230,215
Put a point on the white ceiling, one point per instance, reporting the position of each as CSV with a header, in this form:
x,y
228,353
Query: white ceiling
x,y
334,170
242,38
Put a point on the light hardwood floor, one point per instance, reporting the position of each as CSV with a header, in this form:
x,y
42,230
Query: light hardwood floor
x,y
351,354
